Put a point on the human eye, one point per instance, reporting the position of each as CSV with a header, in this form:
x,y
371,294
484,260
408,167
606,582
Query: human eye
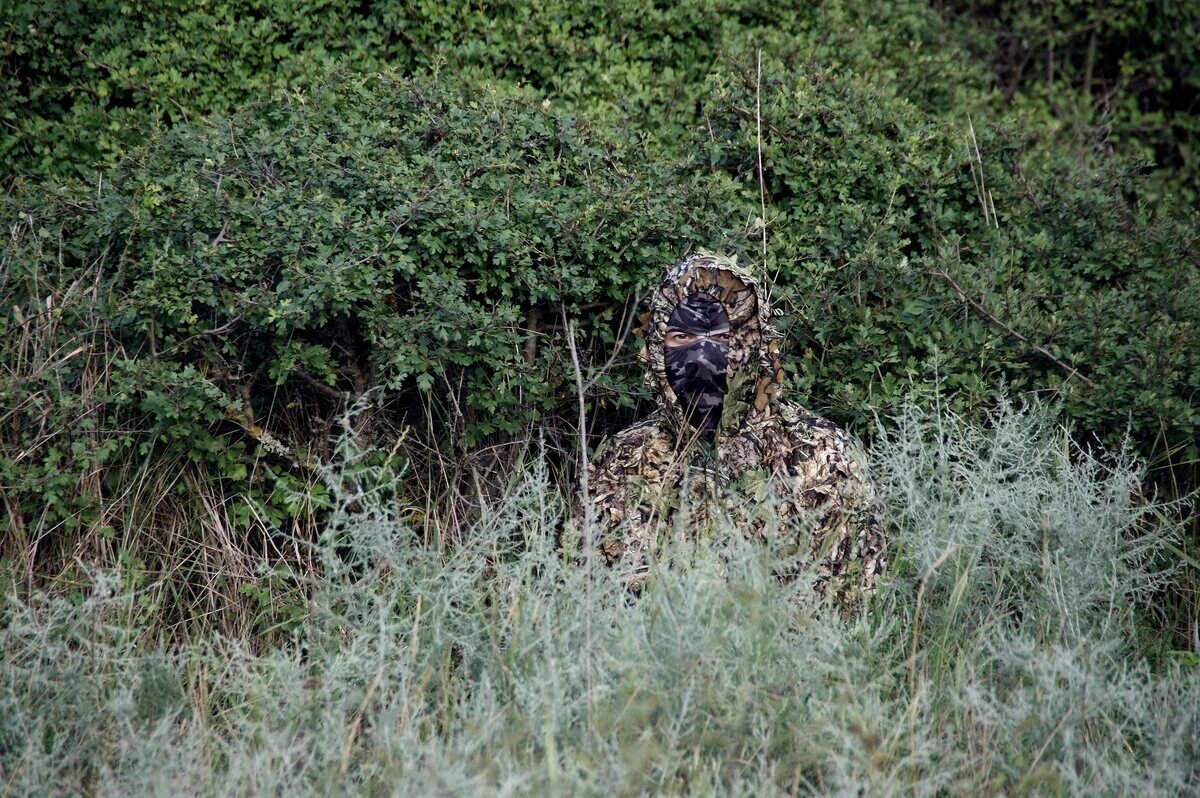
x,y
676,338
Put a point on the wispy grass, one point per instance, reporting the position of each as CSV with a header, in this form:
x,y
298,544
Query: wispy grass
x,y
1005,655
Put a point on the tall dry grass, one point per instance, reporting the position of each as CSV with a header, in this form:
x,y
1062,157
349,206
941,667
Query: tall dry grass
x,y
1006,654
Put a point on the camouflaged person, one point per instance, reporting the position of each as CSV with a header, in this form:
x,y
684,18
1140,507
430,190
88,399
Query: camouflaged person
x,y
721,432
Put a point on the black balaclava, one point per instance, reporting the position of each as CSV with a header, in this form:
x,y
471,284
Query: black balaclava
x,y
696,372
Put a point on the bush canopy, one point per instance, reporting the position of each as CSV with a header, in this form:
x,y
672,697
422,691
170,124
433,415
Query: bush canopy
x,y
229,222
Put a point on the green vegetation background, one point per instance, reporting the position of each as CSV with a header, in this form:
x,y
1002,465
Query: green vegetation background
x,y
228,221
287,420
1007,654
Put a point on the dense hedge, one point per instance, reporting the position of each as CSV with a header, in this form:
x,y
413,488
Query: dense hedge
x,y
229,221
878,222
381,234
1128,73
83,82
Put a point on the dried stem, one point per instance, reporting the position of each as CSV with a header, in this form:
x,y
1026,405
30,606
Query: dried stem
x,y
586,514
626,326
762,186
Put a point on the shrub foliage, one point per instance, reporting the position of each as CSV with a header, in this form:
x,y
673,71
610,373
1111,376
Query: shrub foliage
x,y
1004,656
228,222
249,276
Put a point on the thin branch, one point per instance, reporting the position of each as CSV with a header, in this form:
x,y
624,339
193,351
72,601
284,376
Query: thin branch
x,y
982,311
981,189
321,387
762,186
213,333
532,317
912,656
270,443
220,237
1019,171
626,326
356,725
746,112
586,502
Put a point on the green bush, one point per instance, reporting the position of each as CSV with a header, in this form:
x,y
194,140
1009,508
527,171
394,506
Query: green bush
x,y
82,84
229,221
1124,72
876,211
247,277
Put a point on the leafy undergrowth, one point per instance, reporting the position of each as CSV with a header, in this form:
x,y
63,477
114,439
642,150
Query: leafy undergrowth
x,y
1006,654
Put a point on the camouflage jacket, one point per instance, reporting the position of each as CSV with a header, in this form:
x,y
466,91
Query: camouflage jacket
x,y
657,478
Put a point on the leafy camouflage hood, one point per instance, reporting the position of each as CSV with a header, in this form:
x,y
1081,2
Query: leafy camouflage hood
x,y
755,371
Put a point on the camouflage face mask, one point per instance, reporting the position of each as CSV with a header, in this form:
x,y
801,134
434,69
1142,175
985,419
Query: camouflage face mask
x,y
696,370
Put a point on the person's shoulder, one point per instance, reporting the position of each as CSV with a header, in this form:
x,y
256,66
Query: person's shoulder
x,y
802,424
649,427
635,441
822,450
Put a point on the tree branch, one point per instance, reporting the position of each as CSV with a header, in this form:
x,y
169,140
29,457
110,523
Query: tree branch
x,y
982,311
586,502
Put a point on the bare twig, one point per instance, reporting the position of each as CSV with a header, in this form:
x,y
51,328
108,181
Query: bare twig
x,y
1029,195
215,332
321,387
220,237
224,328
182,110
626,326
912,657
1089,68
586,514
747,113
531,326
356,725
982,311
762,186
271,444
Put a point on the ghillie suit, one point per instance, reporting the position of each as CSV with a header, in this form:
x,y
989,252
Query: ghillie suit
x,y
671,473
